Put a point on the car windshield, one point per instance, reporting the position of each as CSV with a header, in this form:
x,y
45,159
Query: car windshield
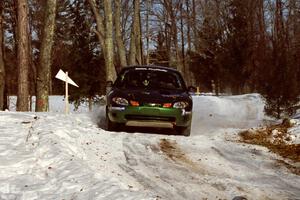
x,y
150,79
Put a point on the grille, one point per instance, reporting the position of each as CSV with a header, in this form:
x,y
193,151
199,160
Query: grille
x,y
150,118
152,104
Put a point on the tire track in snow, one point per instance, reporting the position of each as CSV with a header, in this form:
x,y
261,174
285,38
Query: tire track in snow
x,y
133,154
174,152
253,166
162,168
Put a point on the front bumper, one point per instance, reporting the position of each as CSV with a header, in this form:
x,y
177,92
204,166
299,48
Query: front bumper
x,y
145,116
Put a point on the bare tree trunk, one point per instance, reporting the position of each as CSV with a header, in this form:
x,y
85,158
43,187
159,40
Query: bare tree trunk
x,y
189,75
105,36
188,18
100,24
109,57
147,31
33,67
119,39
45,60
14,23
182,34
134,54
137,23
2,67
23,56
183,61
261,43
90,104
175,53
194,27
132,50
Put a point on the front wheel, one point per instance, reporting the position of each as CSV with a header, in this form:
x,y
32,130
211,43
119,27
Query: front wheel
x,y
111,126
185,131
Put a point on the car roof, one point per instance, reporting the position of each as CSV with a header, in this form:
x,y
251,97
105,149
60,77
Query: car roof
x,y
148,67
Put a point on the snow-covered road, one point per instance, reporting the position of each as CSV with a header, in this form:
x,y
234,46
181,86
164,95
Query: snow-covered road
x,y
54,156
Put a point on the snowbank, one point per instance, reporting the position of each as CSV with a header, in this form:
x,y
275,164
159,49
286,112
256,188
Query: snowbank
x,y
56,104
242,111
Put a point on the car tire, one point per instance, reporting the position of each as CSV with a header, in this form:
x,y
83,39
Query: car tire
x,y
111,126
185,131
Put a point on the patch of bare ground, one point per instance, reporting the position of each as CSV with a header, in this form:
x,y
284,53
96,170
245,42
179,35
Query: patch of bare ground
x,y
277,139
174,152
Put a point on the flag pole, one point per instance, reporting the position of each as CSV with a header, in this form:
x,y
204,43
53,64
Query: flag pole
x,y
67,95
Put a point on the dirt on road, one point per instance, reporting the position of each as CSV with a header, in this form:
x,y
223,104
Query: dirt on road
x,y
278,140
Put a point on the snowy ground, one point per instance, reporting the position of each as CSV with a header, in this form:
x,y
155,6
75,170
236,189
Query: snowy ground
x,y
56,104
54,156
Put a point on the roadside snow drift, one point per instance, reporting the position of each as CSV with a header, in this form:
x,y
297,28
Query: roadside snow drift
x,y
54,156
211,112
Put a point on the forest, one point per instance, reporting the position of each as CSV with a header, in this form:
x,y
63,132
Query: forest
x,y
248,46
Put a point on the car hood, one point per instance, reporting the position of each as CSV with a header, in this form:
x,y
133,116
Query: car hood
x,y
152,96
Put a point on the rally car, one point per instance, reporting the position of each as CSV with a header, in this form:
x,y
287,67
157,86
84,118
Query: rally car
x,y
149,96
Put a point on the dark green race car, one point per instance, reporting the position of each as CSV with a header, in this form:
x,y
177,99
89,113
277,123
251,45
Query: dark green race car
x,y
149,96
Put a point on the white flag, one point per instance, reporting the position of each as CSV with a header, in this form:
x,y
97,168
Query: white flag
x,y
63,76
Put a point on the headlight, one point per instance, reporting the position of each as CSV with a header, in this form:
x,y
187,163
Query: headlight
x,y
120,101
181,104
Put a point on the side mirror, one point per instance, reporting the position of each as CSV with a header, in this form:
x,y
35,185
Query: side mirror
x,y
109,85
192,89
